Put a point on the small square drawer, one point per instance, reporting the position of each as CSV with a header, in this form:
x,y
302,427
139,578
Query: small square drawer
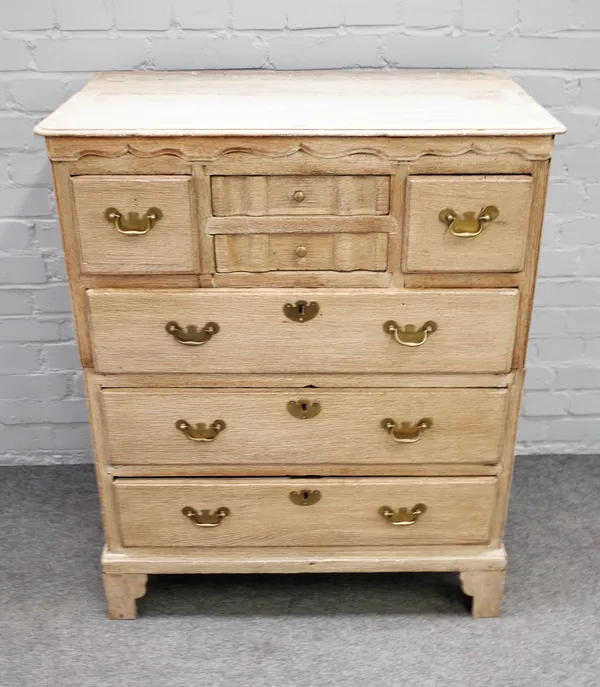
x,y
135,224
467,223
274,252
300,195
261,512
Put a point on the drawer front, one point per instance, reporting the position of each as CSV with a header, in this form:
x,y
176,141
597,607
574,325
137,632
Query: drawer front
x,y
440,244
270,252
474,330
304,426
262,513
130,244
300,195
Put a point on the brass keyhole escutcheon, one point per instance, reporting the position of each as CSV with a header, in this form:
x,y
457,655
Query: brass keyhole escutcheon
x,y
299,196
301,311
303,409
471,223
305,497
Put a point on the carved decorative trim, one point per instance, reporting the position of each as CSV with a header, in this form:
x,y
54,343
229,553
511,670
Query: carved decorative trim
x,y
199,150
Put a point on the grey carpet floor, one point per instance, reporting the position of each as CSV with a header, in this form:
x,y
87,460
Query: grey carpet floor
x,y
304,630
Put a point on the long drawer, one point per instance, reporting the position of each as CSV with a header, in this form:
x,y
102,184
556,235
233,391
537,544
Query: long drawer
x,y
303,426
285,330
287,512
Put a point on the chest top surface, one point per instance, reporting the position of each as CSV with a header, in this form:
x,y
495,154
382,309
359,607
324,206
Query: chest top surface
x,y
271,103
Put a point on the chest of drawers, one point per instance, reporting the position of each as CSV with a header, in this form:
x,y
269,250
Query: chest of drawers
x,y
302,304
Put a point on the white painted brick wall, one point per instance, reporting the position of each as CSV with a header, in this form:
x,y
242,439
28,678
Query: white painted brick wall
x,y
49,48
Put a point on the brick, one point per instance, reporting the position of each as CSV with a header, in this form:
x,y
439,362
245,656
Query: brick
x,y
201,15
42,412
91,15
13,54
38,95
26,15
151,15
430,13
19,358
558,263
578,293
62,356
583,321
312,52
549,91
577,378
22,269
582,163
555,16
547,321
589,262
28,330
40,386
572,429
207,53
4,178
3,96
544,404
592,349
24,202
20,438
16,132
89,54
549,52
56,268
313,14
47,235
538,378
581,126
589,92
496,16
373,13
587,14
559,348
30,169
15,302
565,197
14,235
67,330
592,201
268,14
431,51
581,231
535,429
53,299
75,437
585,403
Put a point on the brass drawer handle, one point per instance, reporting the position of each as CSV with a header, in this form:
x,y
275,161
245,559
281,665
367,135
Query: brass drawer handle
x,y
201,432
205,518
469,224
133,224
303,409
299,196
301,252
191,335
409,335
403,516
301,311
306,497
405,433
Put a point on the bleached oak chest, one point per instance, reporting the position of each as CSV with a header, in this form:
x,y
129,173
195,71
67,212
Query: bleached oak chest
x,y
302,303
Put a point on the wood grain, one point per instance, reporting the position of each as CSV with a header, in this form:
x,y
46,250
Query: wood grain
x,y
273,252
170,246
459,511
431,247
467,426
475,331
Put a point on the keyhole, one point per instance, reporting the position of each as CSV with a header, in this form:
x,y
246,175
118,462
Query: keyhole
x,y
301,311
305,495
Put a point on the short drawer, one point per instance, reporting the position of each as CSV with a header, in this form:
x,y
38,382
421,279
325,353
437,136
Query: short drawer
x,y
282,427
271,252
270,512
288,330
467,223
300,195
135,224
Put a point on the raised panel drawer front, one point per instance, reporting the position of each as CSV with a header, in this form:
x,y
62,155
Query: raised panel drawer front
x,y
270,511
135,224
304,426
300,195
467,223
289,330
270,252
